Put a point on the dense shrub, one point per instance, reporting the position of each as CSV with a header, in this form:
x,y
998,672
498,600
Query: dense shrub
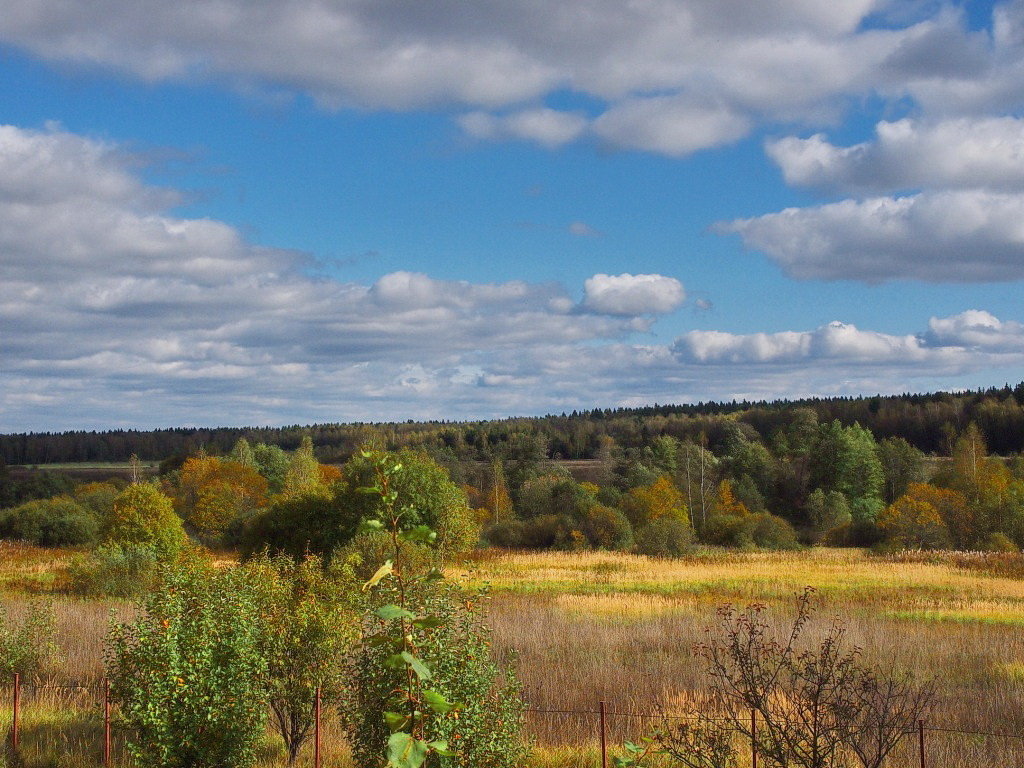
x,y
729,530
552,532
189,674
509,534
664,537
38,485
98,498
772,532
144,516
607,528
302,524
114,570
999,542
55,522
485,729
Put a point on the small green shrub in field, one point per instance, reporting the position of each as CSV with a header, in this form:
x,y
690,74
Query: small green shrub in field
x,y
772,532
745,531
664,537
29,648
729,530
485,731
509,534
607,528
423,688
114,570
55,522
999,542
189,674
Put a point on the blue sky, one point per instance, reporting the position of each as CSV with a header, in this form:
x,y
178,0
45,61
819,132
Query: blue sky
x,y
265,212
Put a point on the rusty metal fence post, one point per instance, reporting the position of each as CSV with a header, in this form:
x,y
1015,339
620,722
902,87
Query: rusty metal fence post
x,y
17,711
920,740
106,721
604,733
316,730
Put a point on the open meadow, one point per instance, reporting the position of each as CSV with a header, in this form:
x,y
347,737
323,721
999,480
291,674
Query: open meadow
x,y
593,626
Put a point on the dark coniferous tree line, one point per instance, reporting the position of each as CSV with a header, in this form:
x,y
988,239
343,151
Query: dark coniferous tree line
x,y
929,422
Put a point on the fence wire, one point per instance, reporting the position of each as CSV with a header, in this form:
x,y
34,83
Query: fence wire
x,y
15,700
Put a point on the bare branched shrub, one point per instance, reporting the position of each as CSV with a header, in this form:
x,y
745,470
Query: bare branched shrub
x,y
801,705
814,704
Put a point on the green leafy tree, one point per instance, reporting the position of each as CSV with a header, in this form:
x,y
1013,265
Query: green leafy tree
x,y
271,462
424,488
826,512
309,624
845,459
188,673
902,464
143,515
303,477
243,453
664,537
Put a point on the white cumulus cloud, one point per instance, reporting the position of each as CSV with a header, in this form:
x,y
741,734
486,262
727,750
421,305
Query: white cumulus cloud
x,y
835,341
548,127
981,153
955,236
632,295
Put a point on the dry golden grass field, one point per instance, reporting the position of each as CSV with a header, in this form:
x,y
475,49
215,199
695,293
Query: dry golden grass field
x,y
593,626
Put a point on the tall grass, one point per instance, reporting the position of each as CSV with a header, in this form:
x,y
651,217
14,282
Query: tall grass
x,y
600,626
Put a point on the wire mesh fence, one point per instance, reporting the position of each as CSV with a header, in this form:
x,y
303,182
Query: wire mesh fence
x,y
81,718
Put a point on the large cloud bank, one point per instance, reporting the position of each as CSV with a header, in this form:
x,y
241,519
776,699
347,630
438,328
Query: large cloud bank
x,y
671,77
115,310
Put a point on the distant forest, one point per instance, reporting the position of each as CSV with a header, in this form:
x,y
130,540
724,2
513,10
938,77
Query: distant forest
x,y
929,422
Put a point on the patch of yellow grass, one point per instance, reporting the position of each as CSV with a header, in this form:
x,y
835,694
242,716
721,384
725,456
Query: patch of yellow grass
x,y
625,607
27,568
849,575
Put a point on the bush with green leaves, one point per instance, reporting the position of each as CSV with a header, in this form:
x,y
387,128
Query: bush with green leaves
x,y
747,531
56,522
424,489
772,532
299,525
29,647
189,673
114,570
509,534
606,528
309,625
423,686
144,516
664,537
486,729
